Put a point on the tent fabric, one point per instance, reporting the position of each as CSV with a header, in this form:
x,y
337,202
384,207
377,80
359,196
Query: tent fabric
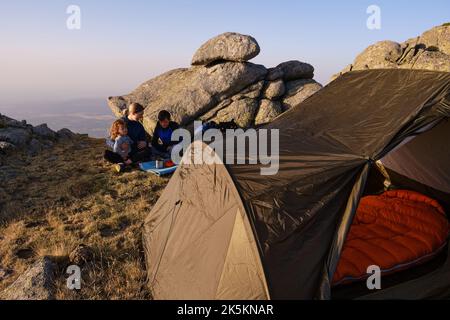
x,y
242,276
196,231
325,146
297,220
415,158
396,230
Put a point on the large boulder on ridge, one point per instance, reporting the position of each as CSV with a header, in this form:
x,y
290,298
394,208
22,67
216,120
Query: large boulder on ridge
x,y
383,54
220,86
189,93
430,51
229,46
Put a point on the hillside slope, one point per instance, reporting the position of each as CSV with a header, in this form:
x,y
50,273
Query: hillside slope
x,y
67,196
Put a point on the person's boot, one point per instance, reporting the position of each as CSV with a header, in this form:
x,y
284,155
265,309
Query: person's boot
x,y
120,167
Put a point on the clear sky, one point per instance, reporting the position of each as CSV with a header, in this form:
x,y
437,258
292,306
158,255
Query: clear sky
x,y
123,43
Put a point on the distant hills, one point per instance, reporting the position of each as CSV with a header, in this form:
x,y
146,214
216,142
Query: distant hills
x,y
88,116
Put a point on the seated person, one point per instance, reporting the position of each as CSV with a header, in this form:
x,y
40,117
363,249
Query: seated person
x,y
122,144
139,152
162,143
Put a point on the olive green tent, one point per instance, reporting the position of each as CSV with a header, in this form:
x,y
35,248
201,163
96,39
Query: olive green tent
x,y
227,232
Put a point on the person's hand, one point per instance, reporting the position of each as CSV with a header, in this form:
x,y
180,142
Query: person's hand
x,y
142,145
128,162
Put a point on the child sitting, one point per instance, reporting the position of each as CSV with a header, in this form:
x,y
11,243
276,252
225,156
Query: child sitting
x,y
162,143
122,143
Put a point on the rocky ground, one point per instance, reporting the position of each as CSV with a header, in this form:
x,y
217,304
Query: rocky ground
x,y
64,205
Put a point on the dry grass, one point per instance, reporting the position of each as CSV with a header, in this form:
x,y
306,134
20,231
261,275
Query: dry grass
x,y
68,196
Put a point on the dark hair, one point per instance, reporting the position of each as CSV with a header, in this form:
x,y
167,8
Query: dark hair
x,y
135,108
164,115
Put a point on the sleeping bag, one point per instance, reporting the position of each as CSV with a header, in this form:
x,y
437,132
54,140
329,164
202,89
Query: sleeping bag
x,y
395,230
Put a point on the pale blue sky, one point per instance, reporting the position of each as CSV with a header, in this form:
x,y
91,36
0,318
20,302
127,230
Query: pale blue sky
x,y
123,43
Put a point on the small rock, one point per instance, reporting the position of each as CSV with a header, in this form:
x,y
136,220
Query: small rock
x,y
6,147
274,74
65,134
241,111
37,283
8,173
44,131
106,231
5,273
34,147
348,68
253,92
34,224
298,91
268,111
25,253
294,70
52,158
274,89
81,255
16,136
47,144
118,105
228,46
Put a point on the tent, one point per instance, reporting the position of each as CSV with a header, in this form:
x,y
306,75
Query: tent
x,y
228,232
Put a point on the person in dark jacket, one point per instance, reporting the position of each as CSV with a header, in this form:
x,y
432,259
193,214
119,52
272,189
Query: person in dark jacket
x,y
162,136
140,151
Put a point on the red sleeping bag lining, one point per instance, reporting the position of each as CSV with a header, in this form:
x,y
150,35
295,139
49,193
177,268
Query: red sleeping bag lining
x,y
395,230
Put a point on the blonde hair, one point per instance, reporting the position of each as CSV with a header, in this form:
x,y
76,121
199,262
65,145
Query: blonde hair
x,y
114,132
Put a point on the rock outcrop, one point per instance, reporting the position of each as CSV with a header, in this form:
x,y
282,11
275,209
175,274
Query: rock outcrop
x,y
298,91
221,85
21,136
430,51
268,110
37,283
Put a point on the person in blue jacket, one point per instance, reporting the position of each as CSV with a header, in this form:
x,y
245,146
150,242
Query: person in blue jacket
x,y
162,143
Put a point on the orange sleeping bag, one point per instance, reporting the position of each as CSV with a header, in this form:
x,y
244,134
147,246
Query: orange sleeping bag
x,y
395,231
